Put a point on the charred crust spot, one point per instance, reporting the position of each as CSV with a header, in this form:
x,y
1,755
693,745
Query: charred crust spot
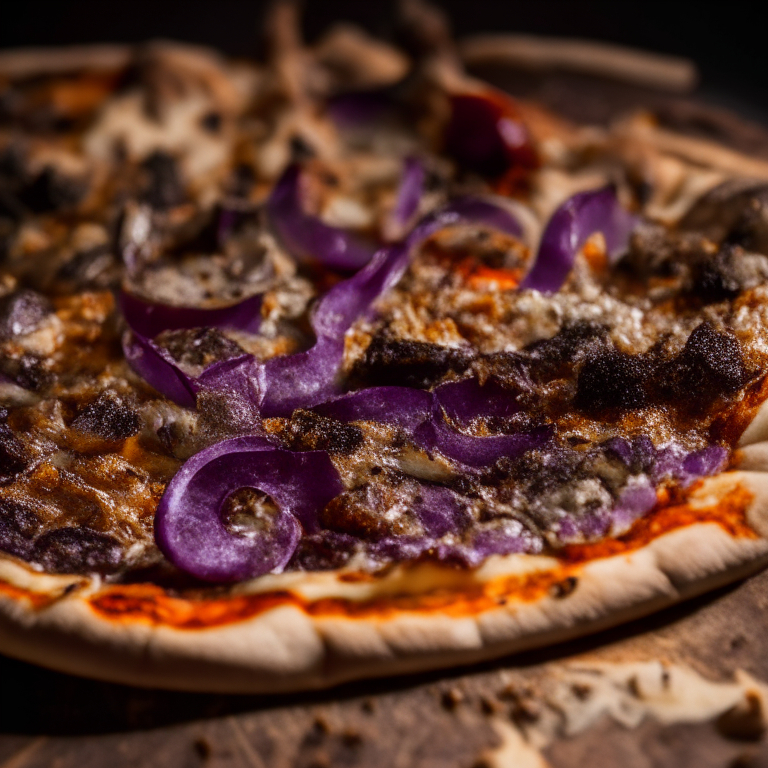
x,y
613,380
391,362
77,550
107,417
564,588
21,312
164,188
710,366
199,346
308,431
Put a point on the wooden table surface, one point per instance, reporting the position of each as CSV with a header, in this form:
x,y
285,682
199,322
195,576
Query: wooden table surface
x,y
439,720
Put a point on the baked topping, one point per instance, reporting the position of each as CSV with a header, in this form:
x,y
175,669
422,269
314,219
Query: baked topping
x,y
238,334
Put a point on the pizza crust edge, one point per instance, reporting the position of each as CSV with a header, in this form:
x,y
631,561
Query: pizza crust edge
x,y
287,649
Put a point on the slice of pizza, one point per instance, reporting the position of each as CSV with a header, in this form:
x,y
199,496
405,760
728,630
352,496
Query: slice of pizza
x,y
349,364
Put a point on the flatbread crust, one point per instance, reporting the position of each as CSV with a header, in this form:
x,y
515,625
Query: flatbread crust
x,y
311,630
296,631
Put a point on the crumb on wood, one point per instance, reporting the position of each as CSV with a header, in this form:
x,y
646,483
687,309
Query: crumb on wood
x,y
581,691
351,738
745,721
515,692
451,698
738,642
317,732
320,725
744,760
489,705
202,748
525,711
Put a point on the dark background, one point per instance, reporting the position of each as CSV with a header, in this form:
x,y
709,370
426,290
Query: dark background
x,y
727,40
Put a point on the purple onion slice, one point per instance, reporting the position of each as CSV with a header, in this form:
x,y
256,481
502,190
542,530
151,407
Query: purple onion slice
x,y
571,225
471,451
360,109
440,511
402,406
150,319
675,463
188,525
158,369
306,237
408,198
511,538
301,380
634,502
467,400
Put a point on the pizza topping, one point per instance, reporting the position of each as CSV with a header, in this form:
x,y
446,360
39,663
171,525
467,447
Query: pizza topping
x,y
195,349
306,237
163,187
13,454
108,418
76,550
309,431
408,199
710,366
188,523
18,527
567,231
610,379
22,312
419,364
159,369
150,319
311,377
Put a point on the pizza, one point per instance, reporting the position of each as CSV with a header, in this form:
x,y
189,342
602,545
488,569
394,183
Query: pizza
x,y
348,364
